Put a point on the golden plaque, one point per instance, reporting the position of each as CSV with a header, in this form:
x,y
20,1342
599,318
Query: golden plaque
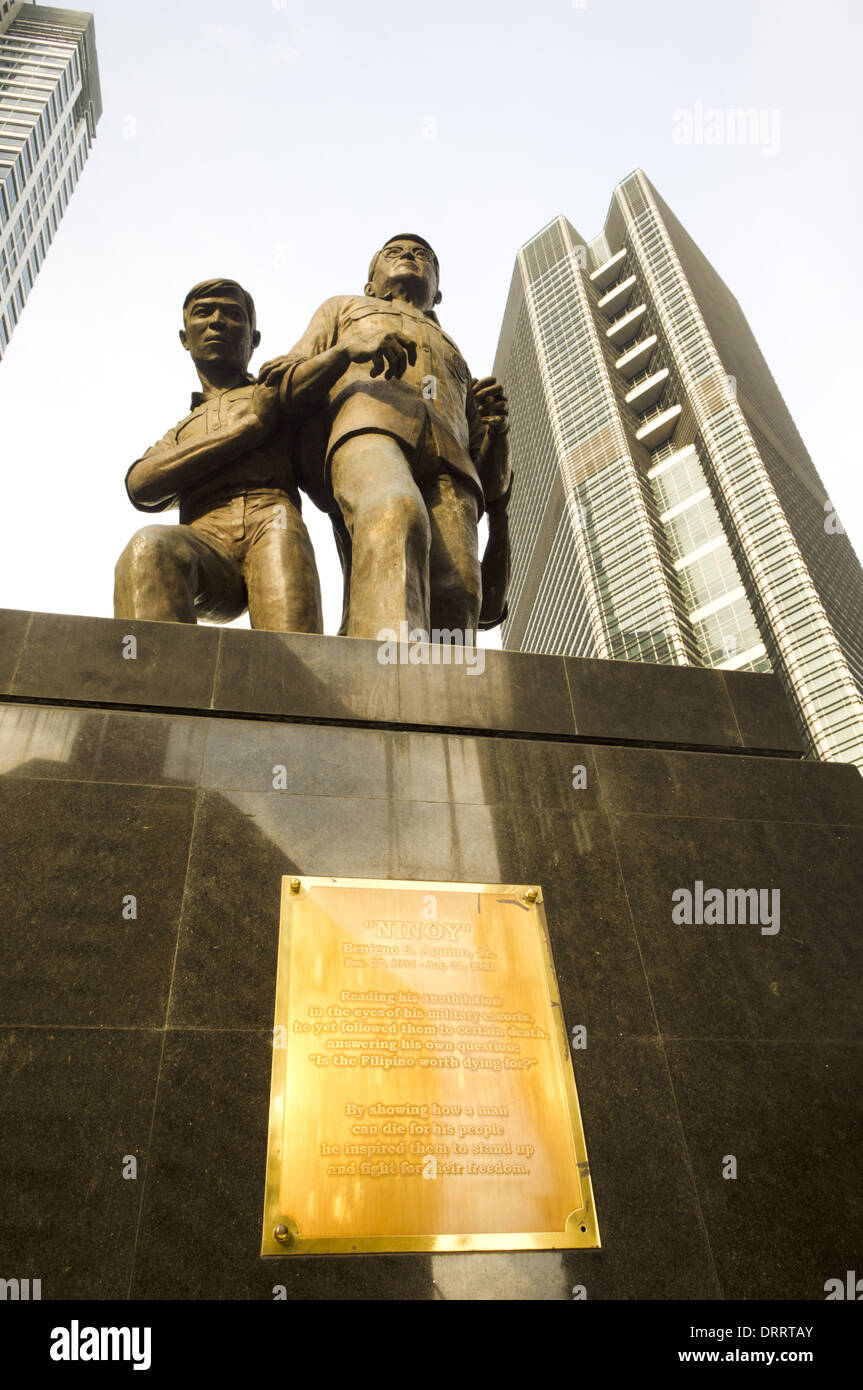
x,y
422,1093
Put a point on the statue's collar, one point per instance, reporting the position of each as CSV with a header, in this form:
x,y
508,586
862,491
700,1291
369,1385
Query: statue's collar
x,y
199,399
425,313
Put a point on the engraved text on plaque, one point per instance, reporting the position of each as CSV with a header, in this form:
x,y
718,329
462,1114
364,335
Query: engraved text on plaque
x,y
423,1096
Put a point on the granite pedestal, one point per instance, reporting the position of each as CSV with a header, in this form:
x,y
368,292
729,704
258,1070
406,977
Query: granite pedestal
x,y
150,776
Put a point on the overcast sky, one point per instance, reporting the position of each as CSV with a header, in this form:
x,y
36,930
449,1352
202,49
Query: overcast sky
x,y
279,142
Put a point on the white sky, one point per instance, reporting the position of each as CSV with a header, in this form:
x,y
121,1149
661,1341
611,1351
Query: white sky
x,y
279,142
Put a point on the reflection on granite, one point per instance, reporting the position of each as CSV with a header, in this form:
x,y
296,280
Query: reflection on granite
x,y
89,660
791,1113
68,954
75,1104
517,692
14,623
712,981
100,746
701,1041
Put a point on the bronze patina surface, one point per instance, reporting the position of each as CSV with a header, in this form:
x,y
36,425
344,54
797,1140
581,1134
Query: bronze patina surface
x,y
422,1090
406,452
241,542
375,414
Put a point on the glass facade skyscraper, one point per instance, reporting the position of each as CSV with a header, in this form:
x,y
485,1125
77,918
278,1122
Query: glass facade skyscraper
x,y
50,101
665,508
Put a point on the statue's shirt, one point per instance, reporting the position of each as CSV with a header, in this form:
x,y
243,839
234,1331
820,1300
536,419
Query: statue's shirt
x,y
436,389
266,467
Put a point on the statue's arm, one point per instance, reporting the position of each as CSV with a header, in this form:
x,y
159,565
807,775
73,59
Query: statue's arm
x,y
489,438
489,443
323,355
311,379
165,444
313,365
171,467
495,566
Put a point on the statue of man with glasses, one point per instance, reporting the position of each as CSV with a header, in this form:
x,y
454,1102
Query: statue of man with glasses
x,y
406,453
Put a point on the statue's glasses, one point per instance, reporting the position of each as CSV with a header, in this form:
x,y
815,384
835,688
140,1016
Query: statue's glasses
x,y
394,253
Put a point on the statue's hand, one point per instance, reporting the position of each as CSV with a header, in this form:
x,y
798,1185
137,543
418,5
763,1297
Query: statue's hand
x,y
264,405
276,364
491,404
388,351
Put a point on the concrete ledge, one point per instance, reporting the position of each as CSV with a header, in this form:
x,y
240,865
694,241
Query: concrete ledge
x,y
53,658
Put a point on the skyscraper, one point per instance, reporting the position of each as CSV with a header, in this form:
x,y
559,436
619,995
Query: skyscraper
x,y
50,102
666,509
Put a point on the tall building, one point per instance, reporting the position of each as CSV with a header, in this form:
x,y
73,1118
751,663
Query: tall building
x,y
50,102
666,509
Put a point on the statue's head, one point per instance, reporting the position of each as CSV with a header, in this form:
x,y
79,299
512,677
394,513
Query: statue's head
x,y
219,327
406,259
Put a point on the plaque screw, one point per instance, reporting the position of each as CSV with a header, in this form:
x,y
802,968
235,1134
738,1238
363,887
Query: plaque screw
x,y
531,895
282,1235
295,885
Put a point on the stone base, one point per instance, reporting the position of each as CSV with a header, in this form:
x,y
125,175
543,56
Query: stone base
x,y
150,1038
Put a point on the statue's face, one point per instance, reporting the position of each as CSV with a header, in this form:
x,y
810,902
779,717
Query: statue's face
x,y
218,332
409,261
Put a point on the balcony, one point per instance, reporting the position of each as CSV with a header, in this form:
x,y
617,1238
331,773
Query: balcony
x,y
637,358
624,328
647,389
606,274
659,427
618,297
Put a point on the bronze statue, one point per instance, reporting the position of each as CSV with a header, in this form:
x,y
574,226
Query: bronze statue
x,y
241,541
405,456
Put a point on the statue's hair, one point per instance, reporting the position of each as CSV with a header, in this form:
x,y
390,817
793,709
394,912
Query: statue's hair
x,y
209,287
404,236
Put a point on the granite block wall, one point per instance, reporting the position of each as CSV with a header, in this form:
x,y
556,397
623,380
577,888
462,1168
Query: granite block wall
x,y
148,1036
